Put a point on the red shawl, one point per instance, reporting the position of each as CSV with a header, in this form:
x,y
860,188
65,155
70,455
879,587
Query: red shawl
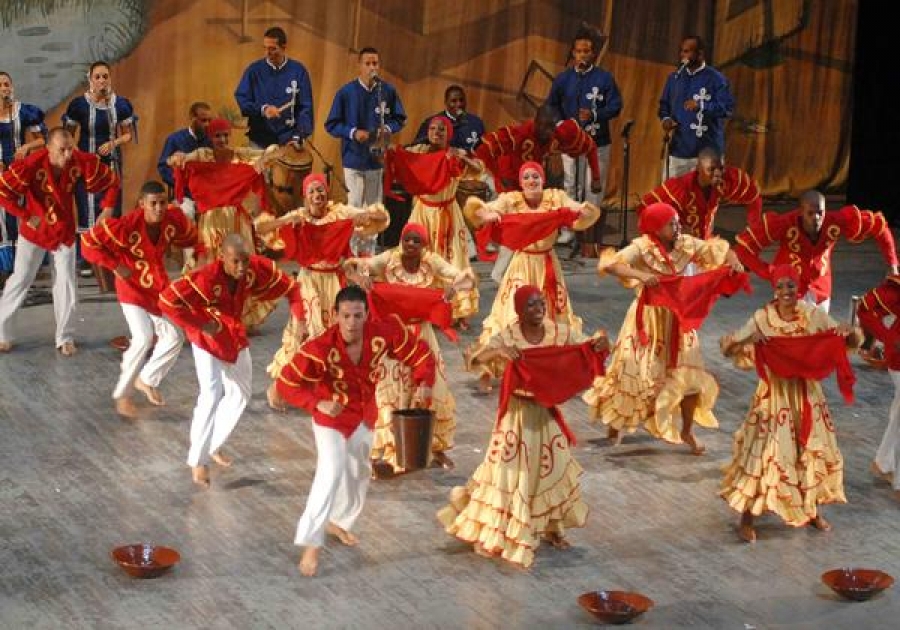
x,y
215,184
807,357
309,243
690,299
538,371
420,173
518,231
412,305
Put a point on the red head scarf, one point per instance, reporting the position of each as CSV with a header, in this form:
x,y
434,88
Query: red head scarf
x,y
415,228
785,271
448,125
655,217
313,178
217,125
522,295
532,165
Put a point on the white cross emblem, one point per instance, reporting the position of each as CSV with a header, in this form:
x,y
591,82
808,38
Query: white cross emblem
x,y
382,108
701,97
292,89
595,97
472,139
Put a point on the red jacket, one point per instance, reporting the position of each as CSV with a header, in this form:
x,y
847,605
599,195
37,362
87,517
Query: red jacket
x,y
695,211
881,302
505,150
812,260
29,188
203,296
322,370
124,241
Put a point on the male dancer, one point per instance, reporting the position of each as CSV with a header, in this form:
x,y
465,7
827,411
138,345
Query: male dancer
x,y
208,304
134,247
333,377
39,190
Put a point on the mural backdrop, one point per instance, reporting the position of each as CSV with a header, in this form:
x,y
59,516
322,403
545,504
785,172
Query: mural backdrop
x,y
789,63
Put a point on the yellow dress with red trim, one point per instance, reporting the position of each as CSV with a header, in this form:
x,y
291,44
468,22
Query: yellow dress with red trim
x,y
442,217
770,470
529,266
527,484
640,387
395,390
321,281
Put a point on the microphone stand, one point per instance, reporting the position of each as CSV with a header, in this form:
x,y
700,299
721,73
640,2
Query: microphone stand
x,y
327,167
626,158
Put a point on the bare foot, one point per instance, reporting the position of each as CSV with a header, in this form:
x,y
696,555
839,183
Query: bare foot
x,y
696,447
200,475
309,561
484,384
5,346
342,534
383,470
746,532
441,459
274,399
880,473
151,393
820,523
67,349
614,435
557,541
222,459
120,343
125,408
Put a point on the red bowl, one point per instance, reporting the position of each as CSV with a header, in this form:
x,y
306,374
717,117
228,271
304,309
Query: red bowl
x,y
857,584
615,606
144,560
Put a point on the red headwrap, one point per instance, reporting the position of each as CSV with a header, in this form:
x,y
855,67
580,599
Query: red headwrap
x,y
448,125
312,178
785,271
217,125
532,165
415,228
655,217
522,295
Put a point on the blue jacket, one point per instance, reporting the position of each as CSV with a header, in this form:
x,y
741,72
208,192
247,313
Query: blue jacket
x,y
185,142
467,131
264,85
704,127
595,90
356,107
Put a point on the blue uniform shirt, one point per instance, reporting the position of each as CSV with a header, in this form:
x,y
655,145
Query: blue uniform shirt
x,y
704,127
183,141
594,90
357,107
263,84
467,130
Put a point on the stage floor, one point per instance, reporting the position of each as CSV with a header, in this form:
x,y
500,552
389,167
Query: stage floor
x,y
78,481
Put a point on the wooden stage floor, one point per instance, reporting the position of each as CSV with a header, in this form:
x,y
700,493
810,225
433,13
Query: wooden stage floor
x,y
77,481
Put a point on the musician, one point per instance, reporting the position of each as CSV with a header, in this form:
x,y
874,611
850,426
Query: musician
x,y
467,127
105,122
364,115
208,304
22,131
695,105
276,96
47,224
134,247
588,94
185,140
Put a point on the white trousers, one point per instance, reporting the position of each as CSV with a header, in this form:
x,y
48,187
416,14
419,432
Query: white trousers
x,y
225,389
577,179
678,166
339,486
363,188
142,326
887,457
65,287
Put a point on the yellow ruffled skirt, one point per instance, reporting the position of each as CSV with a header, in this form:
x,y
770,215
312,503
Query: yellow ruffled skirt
x,y
769,471
395,391
640,388
526,487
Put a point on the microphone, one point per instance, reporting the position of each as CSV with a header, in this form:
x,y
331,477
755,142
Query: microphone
x,y
627,128
681,68
373,76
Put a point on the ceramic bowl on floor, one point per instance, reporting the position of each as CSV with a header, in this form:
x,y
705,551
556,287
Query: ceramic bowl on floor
x,y
615,606
857,584
144,560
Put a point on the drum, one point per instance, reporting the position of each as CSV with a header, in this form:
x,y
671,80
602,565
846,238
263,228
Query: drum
x,y
285,179
471,188
413,431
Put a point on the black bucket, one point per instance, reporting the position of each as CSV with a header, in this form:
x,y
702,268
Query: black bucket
x,y
413,430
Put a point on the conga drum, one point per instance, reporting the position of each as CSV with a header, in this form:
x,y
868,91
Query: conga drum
x,y
413,431
286,175
471,188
